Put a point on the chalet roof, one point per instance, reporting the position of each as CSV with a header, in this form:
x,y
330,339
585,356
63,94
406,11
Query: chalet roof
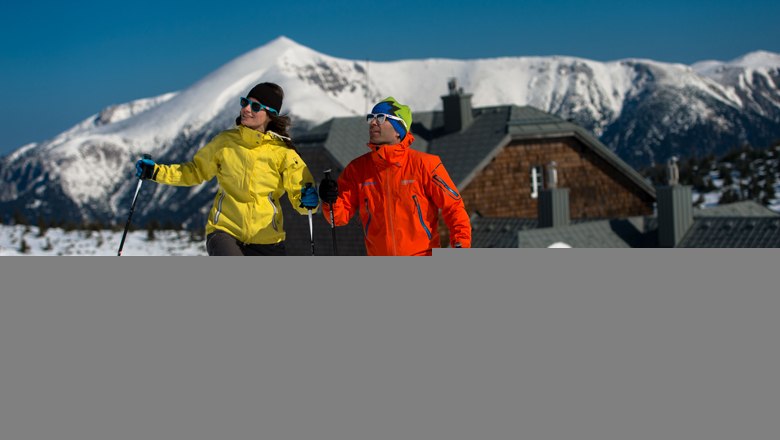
x,y
745,208
616,233
466,152
737,225
733,232
498,232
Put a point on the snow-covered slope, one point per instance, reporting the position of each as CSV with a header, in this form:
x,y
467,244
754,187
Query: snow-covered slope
x,y
643,109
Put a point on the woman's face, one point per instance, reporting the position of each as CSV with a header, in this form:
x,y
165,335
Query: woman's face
x,y
256,121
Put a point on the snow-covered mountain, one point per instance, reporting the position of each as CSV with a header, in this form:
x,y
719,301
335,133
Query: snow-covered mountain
x,y
644,110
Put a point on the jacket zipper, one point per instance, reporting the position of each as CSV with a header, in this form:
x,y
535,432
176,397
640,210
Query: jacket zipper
x,y
368,211
452,192
219,207
390,207
420,216
273,219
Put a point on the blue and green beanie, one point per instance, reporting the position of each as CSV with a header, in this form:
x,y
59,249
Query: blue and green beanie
x,y
392,107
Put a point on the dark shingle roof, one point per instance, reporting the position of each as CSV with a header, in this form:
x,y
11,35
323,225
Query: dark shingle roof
x,y
617,233
531,122
498,232
492,232
747,208
465,152
733,232
737,225
347,139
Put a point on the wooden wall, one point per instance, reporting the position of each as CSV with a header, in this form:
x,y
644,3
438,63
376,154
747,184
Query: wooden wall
x,y
596,189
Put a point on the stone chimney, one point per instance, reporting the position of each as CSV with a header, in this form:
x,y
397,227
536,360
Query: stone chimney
x,y
675,208
457,108
553,202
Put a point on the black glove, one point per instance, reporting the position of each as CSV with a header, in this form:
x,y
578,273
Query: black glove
x,y
329,190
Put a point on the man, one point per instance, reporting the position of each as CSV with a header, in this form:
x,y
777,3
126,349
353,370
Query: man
x,y
398,191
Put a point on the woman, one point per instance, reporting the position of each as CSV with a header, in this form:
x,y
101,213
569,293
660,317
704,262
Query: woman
x,y
255,164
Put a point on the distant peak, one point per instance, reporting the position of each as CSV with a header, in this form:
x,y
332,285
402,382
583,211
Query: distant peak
x,y
757,59
282,41
279,45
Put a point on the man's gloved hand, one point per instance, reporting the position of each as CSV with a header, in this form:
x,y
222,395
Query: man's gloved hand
x,y
329,190
144,168
309,198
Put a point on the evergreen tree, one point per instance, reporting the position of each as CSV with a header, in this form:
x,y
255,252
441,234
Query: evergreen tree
x,y
730,195
170,225
725,174
768,191
19,218
96,225
42,226
151,226
196,235
699,183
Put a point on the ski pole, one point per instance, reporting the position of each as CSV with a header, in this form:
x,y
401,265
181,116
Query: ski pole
x,y
311,226
132,208
332,221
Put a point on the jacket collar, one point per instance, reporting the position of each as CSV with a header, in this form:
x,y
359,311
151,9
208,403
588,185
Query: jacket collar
x,y
391,154
254,137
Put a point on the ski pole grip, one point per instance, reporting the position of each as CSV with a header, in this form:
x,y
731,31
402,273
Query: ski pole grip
x,y
147,156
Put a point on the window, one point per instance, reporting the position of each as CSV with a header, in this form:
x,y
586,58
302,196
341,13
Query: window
x,y
537,180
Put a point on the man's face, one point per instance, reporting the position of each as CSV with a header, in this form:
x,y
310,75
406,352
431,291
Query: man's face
x,y
381,134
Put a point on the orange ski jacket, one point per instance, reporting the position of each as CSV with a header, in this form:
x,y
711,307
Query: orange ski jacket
x,y
398,192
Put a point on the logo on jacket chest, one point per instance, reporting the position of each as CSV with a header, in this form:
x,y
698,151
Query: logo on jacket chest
x,y
403,182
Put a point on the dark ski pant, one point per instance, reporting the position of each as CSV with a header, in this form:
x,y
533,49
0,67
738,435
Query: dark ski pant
x,y
221,243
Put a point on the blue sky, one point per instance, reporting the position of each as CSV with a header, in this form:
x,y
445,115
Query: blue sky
x,y
60,63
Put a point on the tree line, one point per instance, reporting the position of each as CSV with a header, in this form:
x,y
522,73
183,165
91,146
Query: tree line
x,y
742,173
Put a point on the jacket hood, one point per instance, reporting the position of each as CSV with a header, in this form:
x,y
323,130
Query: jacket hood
x,y
391,154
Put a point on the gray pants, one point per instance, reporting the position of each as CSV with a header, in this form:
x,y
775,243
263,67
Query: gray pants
x,y
222,243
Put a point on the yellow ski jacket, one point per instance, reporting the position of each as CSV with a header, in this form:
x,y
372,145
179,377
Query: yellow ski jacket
x,y
253,170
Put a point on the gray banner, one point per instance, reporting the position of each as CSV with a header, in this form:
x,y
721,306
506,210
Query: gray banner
x,y
476,344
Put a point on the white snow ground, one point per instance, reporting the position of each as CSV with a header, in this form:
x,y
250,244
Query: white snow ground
x,y
55,241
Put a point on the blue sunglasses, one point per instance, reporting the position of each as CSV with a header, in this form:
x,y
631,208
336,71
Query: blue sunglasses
x,y
256,106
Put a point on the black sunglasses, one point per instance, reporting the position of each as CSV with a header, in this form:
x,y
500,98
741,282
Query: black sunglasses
x,y
256,106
